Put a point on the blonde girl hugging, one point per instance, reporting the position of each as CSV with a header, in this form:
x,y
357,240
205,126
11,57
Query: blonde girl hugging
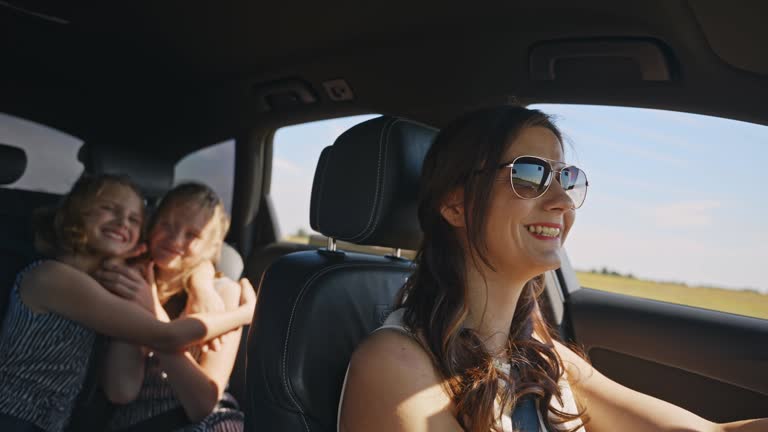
x,y
56,307
184,390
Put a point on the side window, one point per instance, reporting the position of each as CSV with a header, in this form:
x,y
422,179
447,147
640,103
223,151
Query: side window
x,y
52,164
675,210
296,150
213,166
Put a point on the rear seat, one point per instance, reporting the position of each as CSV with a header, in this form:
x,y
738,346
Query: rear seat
x,y
17,250
16,235
154,177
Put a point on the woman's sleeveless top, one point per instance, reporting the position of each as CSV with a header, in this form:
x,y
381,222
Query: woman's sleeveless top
x,y
43,363
525,418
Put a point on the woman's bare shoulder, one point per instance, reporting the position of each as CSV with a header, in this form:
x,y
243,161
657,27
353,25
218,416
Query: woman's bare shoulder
x,y
54,273
392,382
393,350
48,280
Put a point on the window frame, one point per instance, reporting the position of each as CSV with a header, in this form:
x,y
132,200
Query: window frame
x,y
34,137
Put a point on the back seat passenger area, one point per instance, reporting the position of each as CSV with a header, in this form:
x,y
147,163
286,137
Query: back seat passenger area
x,y
16,209
17,250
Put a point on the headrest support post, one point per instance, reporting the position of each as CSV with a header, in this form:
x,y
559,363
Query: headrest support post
x,y
397,253
331,244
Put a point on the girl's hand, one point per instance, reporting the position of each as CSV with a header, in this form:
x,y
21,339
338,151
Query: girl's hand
x,y
136,251
120,279
128,282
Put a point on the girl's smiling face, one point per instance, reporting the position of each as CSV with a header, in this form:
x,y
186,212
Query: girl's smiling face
x,y
113,220
182,237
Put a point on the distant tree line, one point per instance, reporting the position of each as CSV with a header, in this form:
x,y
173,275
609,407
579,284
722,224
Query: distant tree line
x,y
609,272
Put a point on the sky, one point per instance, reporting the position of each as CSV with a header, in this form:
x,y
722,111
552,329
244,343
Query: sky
x,y
673,196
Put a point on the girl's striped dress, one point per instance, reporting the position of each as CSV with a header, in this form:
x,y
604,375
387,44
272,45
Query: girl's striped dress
x,y
157,397
43,363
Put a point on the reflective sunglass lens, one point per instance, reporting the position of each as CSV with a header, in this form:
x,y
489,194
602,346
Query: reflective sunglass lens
x,y
529,177
574,182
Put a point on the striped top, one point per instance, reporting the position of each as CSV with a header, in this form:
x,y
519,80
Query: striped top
x,y
43,363
157,397
525,418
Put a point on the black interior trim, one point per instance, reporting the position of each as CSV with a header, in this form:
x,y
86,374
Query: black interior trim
x,y
646,57
709,397
718,345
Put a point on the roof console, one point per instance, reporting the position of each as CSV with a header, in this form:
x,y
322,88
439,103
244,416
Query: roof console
x,y
618,60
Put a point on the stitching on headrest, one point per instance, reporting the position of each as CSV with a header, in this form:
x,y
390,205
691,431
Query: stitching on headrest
x,y
320,190
382,149
380,202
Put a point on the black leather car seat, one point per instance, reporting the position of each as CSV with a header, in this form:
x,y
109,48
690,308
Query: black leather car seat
x,y
316,306
16,234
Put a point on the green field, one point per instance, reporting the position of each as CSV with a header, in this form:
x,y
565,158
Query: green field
x,y
747,303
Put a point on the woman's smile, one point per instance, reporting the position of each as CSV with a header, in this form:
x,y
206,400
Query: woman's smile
x,y
545,230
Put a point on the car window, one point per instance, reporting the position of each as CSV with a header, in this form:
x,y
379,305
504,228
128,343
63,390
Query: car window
x,y
675,207
52,164
213,166
296,150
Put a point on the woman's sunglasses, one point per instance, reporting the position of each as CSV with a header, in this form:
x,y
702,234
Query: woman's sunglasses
x,y
531,177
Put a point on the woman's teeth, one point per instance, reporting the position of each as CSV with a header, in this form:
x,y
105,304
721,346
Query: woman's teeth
x,y
544,231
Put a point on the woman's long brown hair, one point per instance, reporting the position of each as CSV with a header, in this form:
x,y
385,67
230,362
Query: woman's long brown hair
x,y
464,156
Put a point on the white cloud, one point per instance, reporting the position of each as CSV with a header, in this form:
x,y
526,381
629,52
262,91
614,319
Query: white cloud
x,y
589,139
685,214
691,214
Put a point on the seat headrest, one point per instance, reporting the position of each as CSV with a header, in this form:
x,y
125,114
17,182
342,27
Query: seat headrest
x,y
230,262
366,184
153,174
13,163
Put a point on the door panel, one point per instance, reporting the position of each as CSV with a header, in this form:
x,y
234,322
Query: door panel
x,y
712,363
